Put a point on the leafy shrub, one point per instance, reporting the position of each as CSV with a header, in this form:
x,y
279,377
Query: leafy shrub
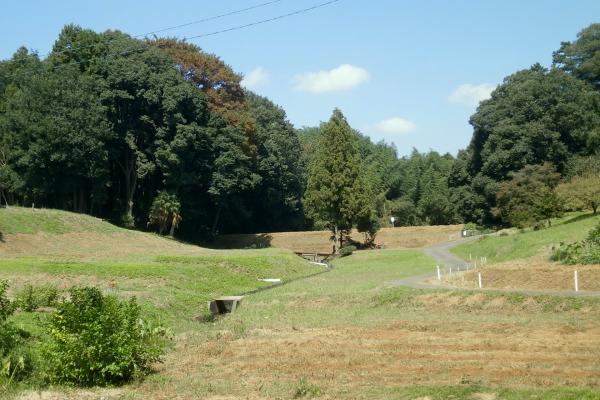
x,y
99,340
584,252
30,298
347,250
15,360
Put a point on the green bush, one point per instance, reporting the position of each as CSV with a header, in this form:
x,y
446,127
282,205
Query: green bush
x,y
15,360
99,340
30,298
347,250
584,252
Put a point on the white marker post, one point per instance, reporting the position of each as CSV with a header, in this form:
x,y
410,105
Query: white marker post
x,y
438,273
576,279
479,279
450,271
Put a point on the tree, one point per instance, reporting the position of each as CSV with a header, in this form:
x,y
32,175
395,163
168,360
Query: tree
x,y
581,192
275,203
529,196
165,211
582,57
213,77
333,192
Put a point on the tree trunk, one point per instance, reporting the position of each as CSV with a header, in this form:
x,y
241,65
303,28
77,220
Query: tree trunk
x,y
213,230
335,240
594,208
172,231
130,185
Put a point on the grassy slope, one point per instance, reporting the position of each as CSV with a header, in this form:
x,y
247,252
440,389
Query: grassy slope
x,y
24,220
529,243
176,285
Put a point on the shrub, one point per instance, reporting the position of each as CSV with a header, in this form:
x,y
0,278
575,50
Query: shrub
x,y
99,340
584,252
15,360
347,250
30,298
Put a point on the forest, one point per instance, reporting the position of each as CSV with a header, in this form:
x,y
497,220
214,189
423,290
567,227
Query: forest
x,y
158,134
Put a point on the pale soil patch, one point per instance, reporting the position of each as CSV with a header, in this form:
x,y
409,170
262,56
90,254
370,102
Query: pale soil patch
x,y
93,394
93,246
535,273
318,241
344,361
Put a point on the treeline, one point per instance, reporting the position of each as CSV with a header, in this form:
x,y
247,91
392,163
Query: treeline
x,y
159,132
106,123
540,127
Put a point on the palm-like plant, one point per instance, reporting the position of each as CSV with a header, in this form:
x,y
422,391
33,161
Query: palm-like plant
x,y
165,210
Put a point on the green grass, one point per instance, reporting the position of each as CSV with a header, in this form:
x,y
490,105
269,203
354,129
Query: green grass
x,y
26,220
469,391
174,289
526,244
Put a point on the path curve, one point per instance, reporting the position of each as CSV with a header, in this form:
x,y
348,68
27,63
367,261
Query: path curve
x,y
441,253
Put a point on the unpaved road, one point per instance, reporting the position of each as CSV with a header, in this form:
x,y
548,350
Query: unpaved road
x,y
441,253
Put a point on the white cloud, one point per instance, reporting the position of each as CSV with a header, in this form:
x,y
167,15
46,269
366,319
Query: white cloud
x,y
344,77
395,125
255,78
470,94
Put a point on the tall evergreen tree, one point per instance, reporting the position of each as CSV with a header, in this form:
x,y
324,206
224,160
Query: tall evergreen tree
x,y
334,189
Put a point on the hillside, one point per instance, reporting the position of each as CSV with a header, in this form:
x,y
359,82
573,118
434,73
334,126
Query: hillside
x,y
66,249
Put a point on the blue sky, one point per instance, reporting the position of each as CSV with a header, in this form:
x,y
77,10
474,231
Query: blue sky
x,y
408,72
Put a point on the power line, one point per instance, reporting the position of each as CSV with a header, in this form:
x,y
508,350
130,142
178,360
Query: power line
x,y
264,21
211,18
301,11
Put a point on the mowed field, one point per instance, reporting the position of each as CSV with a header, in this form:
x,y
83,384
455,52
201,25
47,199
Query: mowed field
x,y
344,334
318,241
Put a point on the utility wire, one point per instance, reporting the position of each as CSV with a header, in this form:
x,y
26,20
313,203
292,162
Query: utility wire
x,y
210,33
264,21
211,18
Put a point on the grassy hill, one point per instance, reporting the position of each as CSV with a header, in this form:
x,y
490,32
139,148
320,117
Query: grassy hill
x,y
518,245
172,279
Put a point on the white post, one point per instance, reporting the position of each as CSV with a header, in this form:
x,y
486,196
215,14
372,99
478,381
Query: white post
x,y
439,275
479,279
450,271
576,278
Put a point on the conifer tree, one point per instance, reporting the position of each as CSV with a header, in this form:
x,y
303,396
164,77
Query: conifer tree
x,y
334,192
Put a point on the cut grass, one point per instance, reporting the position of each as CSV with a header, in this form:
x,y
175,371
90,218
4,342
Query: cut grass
x,y
526,244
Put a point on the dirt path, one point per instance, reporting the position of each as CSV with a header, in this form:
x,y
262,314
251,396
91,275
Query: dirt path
x,y
441,253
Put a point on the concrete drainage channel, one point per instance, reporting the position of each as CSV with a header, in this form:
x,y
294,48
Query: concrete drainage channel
x,y
228,304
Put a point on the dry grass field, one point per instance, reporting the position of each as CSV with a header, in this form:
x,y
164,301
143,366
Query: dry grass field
x,y
344,334
318,241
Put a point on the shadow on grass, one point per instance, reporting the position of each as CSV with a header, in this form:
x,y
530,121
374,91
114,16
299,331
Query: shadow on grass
x,y
578,218
242,241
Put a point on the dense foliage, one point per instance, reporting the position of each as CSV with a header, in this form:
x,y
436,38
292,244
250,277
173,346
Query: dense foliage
x,y
98,340
584,252
106,123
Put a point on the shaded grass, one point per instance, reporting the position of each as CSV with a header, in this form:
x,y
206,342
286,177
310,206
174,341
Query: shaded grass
x,y
526,244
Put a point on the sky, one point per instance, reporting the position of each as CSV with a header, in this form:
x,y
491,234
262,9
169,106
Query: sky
x,y
407,72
